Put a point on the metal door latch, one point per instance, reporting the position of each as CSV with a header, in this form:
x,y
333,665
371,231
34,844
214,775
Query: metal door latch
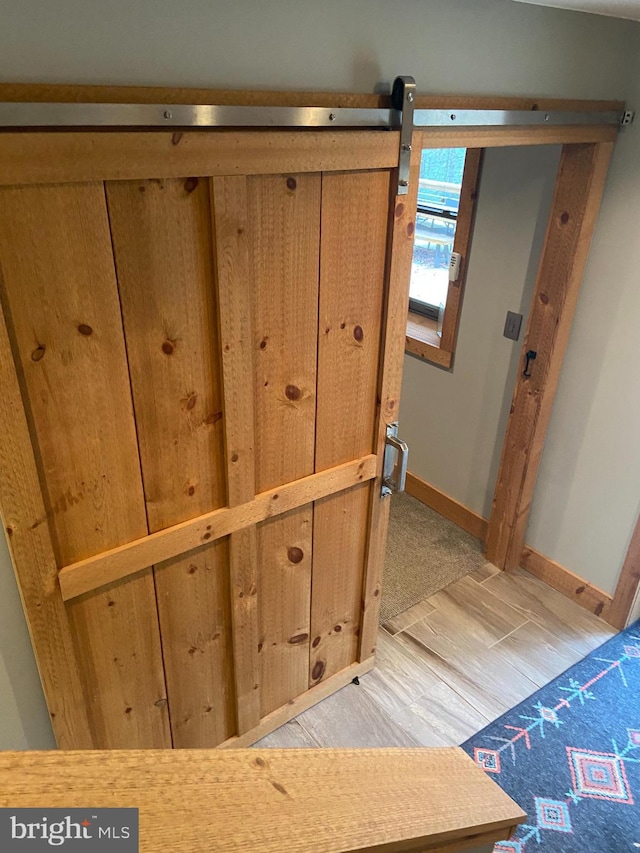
x,y
396,456
531,356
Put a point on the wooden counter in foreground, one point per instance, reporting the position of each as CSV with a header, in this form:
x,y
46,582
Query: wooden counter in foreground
x,y
276,800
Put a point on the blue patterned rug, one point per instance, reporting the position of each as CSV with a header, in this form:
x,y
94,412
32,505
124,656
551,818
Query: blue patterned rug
x,y
570,756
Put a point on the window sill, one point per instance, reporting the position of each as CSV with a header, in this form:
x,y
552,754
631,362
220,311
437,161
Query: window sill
x,y
423,340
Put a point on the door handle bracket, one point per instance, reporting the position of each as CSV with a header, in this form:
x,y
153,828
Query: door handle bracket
x,y
403,98
396,457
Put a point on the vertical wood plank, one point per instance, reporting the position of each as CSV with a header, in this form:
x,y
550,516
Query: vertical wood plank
x,y
161,231
61,293
117,642
35,564
284,597
162,239
233,275
243,561
230,226
194,604
579,187
284,226
355,211
400,257
340,535
284,223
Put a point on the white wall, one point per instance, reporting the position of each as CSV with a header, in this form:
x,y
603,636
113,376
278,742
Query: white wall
x,y
489,46
456,46
24,721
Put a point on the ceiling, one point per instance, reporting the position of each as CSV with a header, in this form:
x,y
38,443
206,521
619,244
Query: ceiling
x,y
629,9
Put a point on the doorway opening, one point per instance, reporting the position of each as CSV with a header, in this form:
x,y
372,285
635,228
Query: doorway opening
x,y
454,417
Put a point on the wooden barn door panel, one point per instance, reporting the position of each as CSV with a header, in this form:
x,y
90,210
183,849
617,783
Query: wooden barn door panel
x,y
355,221
201,368
162,240
61,300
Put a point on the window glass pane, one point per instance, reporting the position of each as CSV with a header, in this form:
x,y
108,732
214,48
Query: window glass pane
x,y
441,178
432,247
438,201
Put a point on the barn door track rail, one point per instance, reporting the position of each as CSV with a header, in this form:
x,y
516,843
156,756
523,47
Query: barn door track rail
x,y
402,115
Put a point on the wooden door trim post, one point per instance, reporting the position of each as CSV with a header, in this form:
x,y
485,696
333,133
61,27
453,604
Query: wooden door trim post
x,y
576,202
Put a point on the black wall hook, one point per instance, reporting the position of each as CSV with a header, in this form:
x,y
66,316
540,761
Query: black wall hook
x,y
531,356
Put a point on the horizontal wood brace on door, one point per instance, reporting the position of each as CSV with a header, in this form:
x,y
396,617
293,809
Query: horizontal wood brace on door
x,y
109,566
73,157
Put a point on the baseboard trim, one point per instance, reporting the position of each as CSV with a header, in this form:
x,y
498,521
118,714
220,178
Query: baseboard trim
x,y
565,581
556,576
448,507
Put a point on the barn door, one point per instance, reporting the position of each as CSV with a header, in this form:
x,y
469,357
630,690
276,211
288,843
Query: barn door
x,y
201,349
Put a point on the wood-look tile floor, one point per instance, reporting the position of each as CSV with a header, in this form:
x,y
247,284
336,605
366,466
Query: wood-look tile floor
x,y
453,663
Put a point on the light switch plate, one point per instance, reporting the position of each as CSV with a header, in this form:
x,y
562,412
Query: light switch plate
x,y
512,326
